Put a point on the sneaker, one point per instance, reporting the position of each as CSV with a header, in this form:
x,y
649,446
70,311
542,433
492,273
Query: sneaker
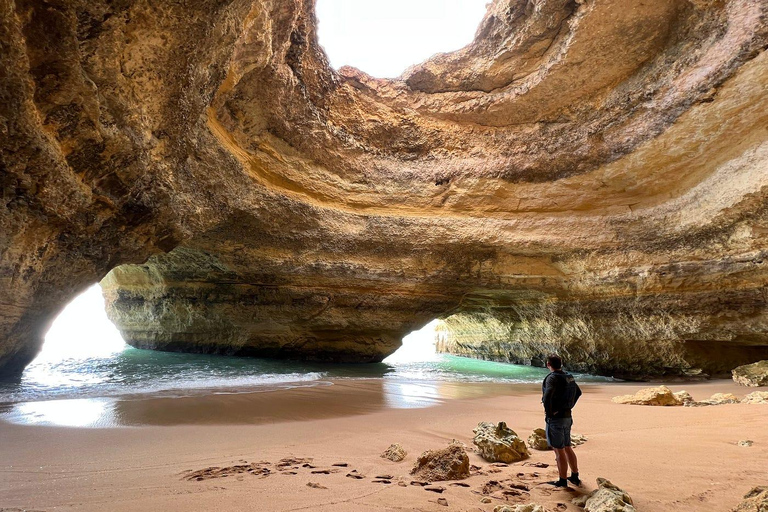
x,y
559,483
575,480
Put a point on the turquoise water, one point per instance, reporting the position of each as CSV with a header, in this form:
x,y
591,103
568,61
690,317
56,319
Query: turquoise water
x,y
135,373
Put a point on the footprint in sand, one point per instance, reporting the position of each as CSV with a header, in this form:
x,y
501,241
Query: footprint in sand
x,y
255,469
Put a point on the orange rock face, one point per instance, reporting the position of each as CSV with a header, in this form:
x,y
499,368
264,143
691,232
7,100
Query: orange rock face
x,y
589,177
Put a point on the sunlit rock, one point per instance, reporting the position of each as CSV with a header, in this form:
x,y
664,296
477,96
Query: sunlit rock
x,y
499,443
756,397
756,500
755,374
451,463
661,395
606,498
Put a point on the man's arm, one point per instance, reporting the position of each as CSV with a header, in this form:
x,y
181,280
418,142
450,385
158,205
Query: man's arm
x,y
548,394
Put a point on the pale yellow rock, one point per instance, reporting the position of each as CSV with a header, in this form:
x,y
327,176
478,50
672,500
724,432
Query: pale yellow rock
x,y
606,498
684,397
395,453
528,507
451,463
756,397
756,500
498,443
661,395
716,399
753,375
538,440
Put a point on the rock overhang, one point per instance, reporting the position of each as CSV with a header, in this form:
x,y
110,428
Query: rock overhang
x,y
578,158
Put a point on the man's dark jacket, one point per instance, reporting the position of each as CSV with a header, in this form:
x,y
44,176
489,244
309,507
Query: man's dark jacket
x,y
559,394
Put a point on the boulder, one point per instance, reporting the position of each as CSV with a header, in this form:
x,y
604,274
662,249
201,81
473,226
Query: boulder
x,y
755,500
661,395
499,443
538,440
395,453
451,463
606,498
756,397
716,399
753,375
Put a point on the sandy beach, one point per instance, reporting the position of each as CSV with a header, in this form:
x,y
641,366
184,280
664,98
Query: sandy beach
x,y
666,458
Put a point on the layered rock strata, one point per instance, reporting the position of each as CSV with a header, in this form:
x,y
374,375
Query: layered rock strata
x,y
584,177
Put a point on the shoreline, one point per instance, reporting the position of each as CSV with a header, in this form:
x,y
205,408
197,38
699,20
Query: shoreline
x,y
666,458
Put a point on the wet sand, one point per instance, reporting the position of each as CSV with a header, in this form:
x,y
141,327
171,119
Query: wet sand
x,y
667,458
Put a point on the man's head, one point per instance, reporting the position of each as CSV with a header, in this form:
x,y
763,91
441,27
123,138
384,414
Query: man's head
x,y
554,362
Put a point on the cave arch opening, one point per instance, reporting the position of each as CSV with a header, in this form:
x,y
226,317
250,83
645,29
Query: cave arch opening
x,y
418,345
384,38
82,330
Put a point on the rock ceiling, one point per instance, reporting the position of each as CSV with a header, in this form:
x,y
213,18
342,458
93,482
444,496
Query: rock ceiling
x,y
587,176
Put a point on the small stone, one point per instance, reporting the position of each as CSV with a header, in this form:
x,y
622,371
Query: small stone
x,y
684,397
528,507
716,399
435,488
485,500
753,375
499,443
745,442
395,453
315,485
442,501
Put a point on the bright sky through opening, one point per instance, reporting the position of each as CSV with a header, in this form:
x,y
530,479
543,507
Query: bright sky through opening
x,y
383,38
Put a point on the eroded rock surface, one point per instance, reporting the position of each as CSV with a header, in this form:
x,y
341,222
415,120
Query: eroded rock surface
x,y
716,399
756,397
499,443
583,177
756,500
754,375
538,440
661,395
395,453
606,498
451,463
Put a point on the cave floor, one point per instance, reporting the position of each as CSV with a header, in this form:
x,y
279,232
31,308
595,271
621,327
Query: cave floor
x,y
666,458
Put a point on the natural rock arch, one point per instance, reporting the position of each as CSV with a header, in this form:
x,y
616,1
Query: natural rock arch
x,y
585,176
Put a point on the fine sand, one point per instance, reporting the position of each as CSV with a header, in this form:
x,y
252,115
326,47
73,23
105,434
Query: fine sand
x,y
666,458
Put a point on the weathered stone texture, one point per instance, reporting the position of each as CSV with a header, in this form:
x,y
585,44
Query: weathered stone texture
x,y
583,177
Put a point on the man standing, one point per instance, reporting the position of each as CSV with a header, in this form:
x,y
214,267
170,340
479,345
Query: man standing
x,y
559,394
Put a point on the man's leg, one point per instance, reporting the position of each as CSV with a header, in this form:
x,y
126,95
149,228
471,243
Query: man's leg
x,y
562,461
570,455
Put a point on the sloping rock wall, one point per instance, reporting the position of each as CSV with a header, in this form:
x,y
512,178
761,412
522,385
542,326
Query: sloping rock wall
x,y
584,176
